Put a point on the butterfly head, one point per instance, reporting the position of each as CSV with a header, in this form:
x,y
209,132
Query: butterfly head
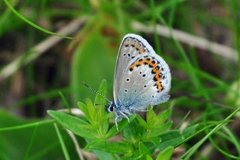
x,y
119,113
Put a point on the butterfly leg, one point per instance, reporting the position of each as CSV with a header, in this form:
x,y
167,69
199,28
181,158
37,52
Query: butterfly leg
x,y
124,115
116,122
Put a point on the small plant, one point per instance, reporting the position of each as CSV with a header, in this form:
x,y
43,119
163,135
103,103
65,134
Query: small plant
x,y
136,139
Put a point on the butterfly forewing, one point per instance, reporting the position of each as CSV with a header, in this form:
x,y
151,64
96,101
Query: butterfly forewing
x,y
127,54
142,77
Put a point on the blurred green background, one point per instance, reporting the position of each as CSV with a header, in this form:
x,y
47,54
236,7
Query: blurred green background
x,y
205,81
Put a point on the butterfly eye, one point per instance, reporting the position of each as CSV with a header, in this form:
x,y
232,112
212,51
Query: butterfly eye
x,y
110,108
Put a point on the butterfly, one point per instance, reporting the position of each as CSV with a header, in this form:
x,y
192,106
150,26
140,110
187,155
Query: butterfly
x,y
142,78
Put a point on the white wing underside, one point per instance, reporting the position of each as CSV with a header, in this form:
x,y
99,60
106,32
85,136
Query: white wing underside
x,y
136,89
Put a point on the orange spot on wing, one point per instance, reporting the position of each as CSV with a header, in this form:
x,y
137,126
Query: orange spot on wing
x,y
156,71
159,86
157,78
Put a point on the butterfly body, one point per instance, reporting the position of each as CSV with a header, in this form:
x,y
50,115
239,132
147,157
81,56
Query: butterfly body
x,y
141,78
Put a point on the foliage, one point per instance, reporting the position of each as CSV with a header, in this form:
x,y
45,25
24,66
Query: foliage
x,y
140,138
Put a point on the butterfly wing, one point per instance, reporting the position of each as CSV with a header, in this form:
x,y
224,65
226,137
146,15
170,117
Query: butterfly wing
x,y
142,77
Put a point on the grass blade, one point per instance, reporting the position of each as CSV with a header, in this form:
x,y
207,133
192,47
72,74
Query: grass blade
x,y
64,148
31,23
193,149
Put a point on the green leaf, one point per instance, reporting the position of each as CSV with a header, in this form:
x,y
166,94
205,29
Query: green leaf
x,y
157,130
133,131
92,60
156,124
151,118
154,120
101,93
97,116
170,138
189,131
143,149
76,125
121,125
91,111
31,139
166,154
103,155
111,147
148,157
83,107
162,117
100,101
142,122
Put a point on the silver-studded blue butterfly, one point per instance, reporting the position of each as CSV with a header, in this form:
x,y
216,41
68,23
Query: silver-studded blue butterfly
x,y
142,78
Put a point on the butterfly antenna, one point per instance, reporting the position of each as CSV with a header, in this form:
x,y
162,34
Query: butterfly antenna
x,y
95,91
